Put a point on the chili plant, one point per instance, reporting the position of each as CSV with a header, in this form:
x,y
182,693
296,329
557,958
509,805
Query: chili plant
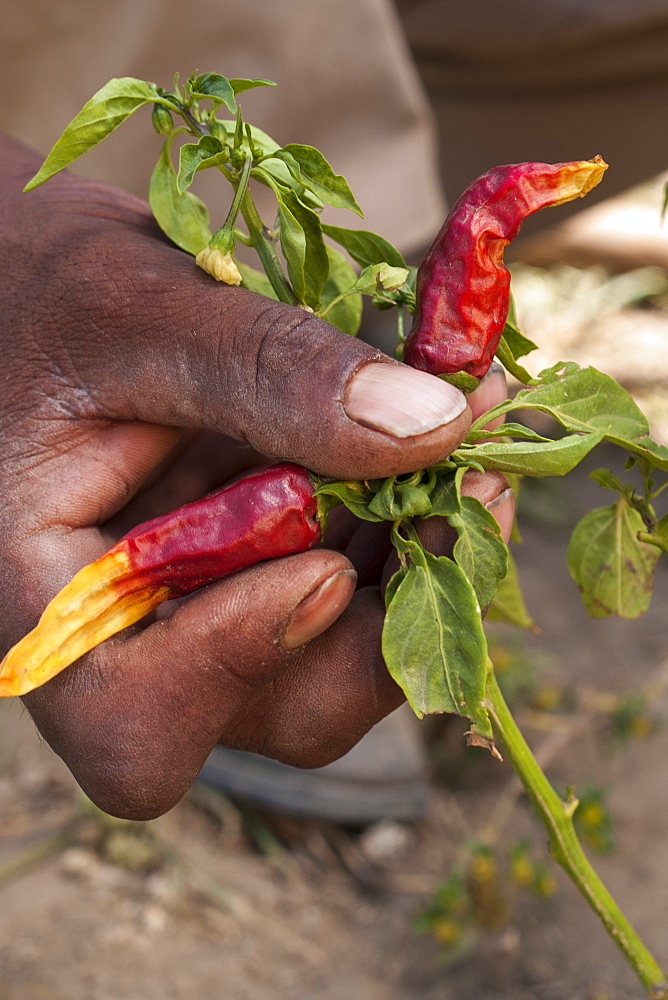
x,y
433,641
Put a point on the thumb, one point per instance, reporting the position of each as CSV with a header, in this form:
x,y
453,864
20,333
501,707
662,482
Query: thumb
x,y
153,338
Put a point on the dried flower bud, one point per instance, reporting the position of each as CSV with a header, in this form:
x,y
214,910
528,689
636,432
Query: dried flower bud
x,y
220,264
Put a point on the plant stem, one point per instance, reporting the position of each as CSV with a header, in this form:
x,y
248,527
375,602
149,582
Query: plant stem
x,y
266,251
224,237
565,847
650,539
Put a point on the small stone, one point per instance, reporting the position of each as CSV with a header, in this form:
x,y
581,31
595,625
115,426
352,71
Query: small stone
x,y
385,841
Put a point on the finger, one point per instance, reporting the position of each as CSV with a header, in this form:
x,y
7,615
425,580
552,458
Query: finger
x,y
491,391
329,698
153,338
135,719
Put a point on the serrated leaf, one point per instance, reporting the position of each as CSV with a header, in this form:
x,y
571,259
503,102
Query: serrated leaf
x,y
104,112
318,174
346,315
508,604
364,246
531,458
194,156
182,217
479,549
613,570
433,641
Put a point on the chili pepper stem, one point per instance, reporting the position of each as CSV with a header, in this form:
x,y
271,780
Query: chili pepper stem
x,y
557,815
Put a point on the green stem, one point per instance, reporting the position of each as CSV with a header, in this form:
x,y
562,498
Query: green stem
x,y
266,251
334,302
565,847
650,539
226,231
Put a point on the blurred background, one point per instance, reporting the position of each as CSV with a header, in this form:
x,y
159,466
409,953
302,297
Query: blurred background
x,y
220,899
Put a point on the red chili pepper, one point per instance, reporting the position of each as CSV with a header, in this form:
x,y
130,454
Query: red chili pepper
x,y
463,286
268,513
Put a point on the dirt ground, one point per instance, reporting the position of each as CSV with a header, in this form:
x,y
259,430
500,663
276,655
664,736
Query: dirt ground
x,y
220,902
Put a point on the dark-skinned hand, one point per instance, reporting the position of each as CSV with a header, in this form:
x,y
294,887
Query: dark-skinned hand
x,y
134,383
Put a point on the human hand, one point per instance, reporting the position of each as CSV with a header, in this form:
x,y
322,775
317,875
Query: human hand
x,y
134,384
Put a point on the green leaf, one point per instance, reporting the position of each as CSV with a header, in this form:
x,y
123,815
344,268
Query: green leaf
x,y
377,278
182,217
445,497
433,641
194,156
661,528
309,252
216,87
276,175
613,570
586,400
507,430
239,84
505,356
316,262
514,345
462,380
479,549
264,143
255,281
531,458
293,245
397,499
518,345
317,173
104,112
365,247
508,604
608,480
346,315
355,495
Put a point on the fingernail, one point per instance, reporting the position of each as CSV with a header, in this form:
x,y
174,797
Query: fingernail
x,y
320,609
492,390
503,509
401,401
